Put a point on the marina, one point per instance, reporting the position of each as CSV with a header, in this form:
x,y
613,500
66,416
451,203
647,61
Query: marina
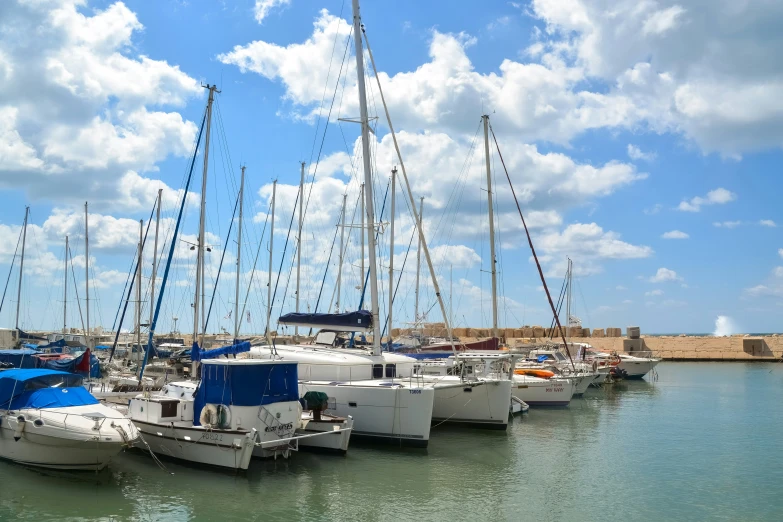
x,y
196,326
644,450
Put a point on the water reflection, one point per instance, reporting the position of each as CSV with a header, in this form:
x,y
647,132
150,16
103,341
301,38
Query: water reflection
x,y
701,443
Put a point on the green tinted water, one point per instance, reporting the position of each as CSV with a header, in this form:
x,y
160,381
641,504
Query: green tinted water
x,y
704,442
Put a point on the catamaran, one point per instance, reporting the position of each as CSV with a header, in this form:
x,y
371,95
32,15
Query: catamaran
x,y
382,391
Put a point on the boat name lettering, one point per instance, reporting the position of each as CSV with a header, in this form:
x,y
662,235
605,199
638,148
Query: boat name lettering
x,y
212,436
416,391
554,389
282,427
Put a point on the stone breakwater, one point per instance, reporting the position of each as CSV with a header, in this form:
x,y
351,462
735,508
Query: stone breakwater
x,y
671,348
708,348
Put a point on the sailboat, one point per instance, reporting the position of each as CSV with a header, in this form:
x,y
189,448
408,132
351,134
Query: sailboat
x,y
362,383
239,407
388,398
17,337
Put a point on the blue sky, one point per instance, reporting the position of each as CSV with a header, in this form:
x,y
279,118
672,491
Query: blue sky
x,y
620,122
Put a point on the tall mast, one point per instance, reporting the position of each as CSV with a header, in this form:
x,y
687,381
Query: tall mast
x,y
369,204
239,254
418,266
21,269
154,258
411,202
391,253
65,288
451,293
269,272
568,301
342,251
491,231
138,284
361,206
299,244
87,274
200,252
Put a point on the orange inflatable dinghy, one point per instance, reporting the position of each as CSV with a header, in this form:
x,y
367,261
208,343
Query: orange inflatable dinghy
x,y
543,374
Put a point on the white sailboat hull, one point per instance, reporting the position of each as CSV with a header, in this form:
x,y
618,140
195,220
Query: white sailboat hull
x,y
486,405
398,414
582,382
542,392
637,367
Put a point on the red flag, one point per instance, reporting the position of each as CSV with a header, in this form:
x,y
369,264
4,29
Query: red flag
x,y
83,366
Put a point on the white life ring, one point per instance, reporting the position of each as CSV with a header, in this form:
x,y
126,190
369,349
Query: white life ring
x,y
215,416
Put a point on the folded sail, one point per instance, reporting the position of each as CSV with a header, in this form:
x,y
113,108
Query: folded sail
x,y
198,354
359,321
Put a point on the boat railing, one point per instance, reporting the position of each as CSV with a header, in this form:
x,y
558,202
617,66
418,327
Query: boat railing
x,y
97,427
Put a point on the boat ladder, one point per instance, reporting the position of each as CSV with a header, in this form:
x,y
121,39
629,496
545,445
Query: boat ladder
x,y
273,424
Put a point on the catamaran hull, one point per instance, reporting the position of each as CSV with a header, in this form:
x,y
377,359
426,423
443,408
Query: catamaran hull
x,y
227,450
483,406
53,452
395,414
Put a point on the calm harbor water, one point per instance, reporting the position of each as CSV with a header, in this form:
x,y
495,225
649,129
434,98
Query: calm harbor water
x,y
703,442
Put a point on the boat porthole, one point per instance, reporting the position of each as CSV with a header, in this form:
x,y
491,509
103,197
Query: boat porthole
x,y
278,415
142,408
352,404
38,422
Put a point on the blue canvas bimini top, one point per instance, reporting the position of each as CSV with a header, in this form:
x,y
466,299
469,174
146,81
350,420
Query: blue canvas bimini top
x,y
359,321
41,388
245,382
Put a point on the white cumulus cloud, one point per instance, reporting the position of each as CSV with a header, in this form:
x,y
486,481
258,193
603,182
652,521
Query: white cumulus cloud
x,y
719,196
663,275
675,234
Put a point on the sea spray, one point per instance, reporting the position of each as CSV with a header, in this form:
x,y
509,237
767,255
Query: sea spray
x,y
724,325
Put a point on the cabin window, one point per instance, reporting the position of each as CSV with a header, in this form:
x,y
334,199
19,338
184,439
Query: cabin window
x,y
377,371
391,370
168,408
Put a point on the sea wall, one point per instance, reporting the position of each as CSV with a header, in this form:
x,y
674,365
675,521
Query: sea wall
x,y
672,348
733,348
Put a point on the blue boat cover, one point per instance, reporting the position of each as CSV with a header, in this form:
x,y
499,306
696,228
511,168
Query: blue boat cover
x,y
245,384
197,354
71,365
21,334
55,347
53,344
359,321
22,358
25,388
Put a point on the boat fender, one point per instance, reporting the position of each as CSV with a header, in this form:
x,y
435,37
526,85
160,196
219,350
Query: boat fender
x,y
215,416
224,416
20,423
595,366
208,417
